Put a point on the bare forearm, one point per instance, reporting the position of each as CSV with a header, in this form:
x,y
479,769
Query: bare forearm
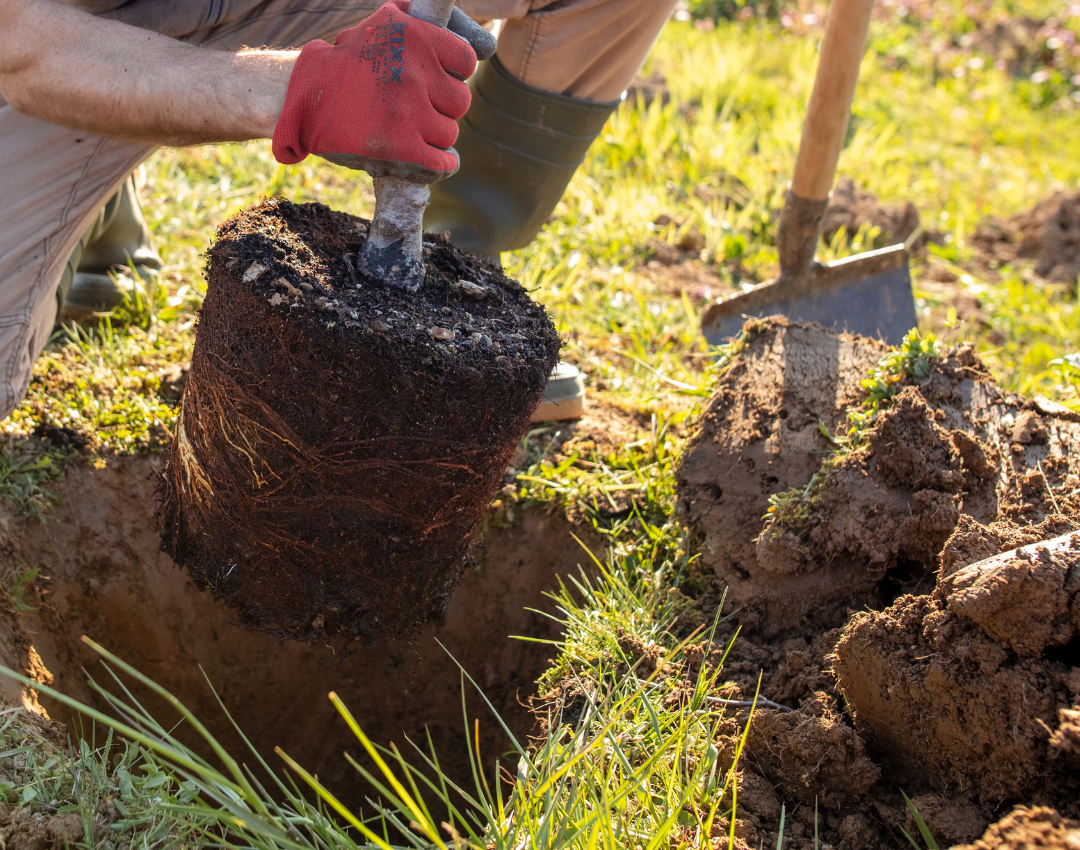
x,y
120,81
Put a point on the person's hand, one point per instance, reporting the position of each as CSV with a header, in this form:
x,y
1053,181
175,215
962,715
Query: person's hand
x,y
386,97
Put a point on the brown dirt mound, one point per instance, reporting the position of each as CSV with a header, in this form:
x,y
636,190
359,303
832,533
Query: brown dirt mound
x,y
760,435
953,471
851,208
877,522
339,442
1030,828
1048,233
962,690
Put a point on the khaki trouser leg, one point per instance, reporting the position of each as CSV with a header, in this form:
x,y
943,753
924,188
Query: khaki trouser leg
x,y
588,49
55,181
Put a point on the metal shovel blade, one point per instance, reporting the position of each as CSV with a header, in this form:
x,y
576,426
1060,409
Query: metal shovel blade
x,y
868,294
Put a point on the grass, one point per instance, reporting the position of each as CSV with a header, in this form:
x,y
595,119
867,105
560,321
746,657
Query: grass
x,y
96,796
698,166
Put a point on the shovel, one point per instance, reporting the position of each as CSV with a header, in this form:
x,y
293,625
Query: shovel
x,y
868,294
394,249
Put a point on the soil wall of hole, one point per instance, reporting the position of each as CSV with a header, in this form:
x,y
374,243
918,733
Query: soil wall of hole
x,y
102,575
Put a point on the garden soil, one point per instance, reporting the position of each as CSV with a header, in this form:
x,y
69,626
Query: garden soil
x,y
917,620
339,442
916,626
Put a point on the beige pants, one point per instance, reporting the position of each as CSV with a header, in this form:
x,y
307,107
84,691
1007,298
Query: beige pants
x,y
54,181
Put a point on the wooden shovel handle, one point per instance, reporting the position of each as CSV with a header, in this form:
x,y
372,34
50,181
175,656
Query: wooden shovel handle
x,y
830,103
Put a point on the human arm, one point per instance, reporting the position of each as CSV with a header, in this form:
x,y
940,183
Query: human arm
x,y
124,82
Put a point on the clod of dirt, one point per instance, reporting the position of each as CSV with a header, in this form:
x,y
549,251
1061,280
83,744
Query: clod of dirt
x,y
972,541
962,690
338,442
1049,233
875,523
811,754
950,821
1026,599
23,829
852,208
1030,828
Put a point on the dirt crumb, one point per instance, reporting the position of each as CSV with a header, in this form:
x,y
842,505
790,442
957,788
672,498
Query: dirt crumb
x,y
950,821
1030,828
812,754
1067,736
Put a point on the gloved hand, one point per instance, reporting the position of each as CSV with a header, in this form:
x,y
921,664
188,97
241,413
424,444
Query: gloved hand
x,y
386,97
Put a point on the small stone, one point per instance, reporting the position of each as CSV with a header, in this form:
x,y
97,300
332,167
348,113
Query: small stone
x,y
253,271
277,299
307,287
281,283
474,338
440,333
473,290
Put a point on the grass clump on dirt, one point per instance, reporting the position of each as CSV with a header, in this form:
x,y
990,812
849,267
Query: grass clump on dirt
x,y
55,795
910,362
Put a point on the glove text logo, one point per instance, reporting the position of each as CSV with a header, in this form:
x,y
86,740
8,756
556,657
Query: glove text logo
x,y
387,53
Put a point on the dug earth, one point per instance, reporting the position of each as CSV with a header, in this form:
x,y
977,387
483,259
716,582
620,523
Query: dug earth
x,y
912,598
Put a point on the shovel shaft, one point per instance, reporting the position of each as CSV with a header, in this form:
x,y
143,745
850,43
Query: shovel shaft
x,y
830,103
822,137
394,250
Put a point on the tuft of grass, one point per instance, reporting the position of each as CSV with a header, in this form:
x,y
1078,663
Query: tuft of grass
x,y
25,474
116,792
909,362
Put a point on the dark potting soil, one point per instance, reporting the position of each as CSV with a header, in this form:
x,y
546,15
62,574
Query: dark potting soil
x,y
338,441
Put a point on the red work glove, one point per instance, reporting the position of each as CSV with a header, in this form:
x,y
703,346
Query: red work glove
x,y
385,98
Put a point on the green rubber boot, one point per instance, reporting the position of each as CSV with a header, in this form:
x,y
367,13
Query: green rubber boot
x,y
519,147
102,266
